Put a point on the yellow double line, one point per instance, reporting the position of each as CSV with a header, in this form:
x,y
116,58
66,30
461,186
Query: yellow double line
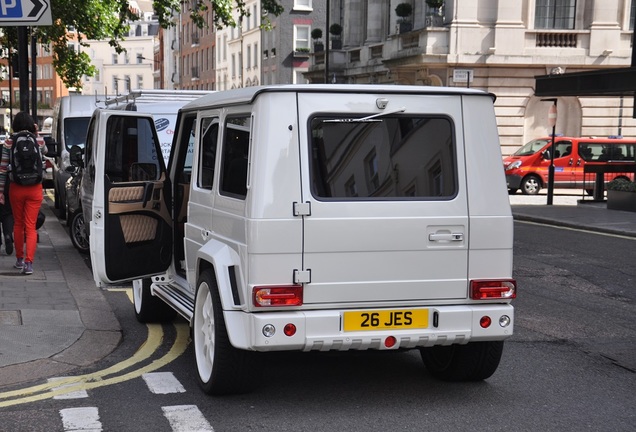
x,y
98,379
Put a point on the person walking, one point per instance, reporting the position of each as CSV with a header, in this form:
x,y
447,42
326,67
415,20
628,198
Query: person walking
x,y
21,164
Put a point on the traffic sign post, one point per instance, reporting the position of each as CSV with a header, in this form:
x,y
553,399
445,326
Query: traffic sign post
x,y
15,13
23,14
552,119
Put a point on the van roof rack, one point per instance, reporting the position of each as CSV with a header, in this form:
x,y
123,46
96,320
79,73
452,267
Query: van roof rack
x,y
148,96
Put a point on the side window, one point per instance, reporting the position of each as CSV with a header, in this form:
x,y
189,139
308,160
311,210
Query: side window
x,y
131,153
88,149
207,152
563,149
397,157
183,159
235,157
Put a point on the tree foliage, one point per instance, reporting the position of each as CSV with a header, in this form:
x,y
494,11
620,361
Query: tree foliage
x,y
108,20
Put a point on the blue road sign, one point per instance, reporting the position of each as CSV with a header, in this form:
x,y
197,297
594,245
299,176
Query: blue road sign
x,y
25,13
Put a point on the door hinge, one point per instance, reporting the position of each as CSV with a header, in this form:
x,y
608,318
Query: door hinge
x,y
302,209
302,276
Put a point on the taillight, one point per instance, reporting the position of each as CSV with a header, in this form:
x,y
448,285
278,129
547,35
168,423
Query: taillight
x,y
493,289
289,295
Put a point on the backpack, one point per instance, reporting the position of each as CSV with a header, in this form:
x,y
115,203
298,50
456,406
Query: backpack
x,y
26,159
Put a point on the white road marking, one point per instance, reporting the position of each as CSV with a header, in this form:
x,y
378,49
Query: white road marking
x,y
163,383
81,419
186,418
78,394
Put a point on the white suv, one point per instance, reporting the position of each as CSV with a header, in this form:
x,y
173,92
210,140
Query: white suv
x,y
313,217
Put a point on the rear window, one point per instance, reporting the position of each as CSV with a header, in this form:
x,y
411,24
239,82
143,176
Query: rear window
x,y
389,157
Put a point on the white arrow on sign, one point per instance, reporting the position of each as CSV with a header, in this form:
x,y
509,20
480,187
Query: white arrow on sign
x,y
25,13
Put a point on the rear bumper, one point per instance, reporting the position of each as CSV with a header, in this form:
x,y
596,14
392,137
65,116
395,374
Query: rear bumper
x,y
322,330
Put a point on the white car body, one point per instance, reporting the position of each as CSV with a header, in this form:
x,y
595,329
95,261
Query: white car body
x,y
365,217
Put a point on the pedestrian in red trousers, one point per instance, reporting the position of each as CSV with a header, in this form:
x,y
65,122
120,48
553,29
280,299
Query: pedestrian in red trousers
x,y
25,199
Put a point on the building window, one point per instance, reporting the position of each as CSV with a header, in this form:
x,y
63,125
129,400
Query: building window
x,y
249,57
301,36
233,70
116,85
256,55
555,14
140,81
127,83
304,5
299,78
632,15
115,60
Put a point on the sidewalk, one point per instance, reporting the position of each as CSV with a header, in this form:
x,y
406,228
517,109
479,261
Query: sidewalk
x,y
588,216
56,320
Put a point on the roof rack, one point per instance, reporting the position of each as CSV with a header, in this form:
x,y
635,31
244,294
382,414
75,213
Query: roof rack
x,y
148,96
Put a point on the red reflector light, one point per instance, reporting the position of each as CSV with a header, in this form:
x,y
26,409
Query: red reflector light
x,y
291,295
289,329
485,322
390,342
493,289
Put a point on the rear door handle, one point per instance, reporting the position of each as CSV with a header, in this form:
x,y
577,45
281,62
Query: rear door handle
x,y
446,237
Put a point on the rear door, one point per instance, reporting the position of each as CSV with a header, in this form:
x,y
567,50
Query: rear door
x,y
130,230
386,213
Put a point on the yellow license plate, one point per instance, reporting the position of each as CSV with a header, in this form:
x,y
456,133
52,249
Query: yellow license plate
x,y
403,319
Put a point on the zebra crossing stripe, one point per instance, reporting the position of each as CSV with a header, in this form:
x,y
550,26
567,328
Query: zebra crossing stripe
x,y
163,383
81,419
78,394
186,418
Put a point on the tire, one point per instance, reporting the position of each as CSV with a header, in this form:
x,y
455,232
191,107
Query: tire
x,y
221,368
149,308
512,191
474,361
79,236
531,185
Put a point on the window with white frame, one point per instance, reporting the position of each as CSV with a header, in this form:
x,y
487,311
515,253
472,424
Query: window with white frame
x,y
299,78
301,36
555,14
302,5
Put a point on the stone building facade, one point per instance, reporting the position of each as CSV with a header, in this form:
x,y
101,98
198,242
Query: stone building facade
x,y
495,45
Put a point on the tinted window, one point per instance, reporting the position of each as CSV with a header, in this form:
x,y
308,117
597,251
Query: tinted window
x,y
131,153
75,131
389,157
597,152
236,142
209,139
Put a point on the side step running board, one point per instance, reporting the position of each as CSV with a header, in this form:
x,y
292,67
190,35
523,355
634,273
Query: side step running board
x,y
176,298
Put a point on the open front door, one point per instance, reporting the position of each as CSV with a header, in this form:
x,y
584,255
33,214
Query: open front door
x,y
130,226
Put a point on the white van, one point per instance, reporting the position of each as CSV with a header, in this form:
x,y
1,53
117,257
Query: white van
x,y
313,217
71,115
